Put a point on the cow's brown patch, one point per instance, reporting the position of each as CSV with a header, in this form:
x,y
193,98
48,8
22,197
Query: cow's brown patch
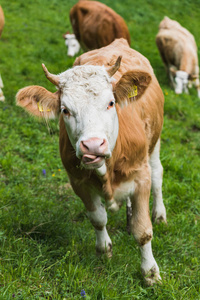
x,y
145,239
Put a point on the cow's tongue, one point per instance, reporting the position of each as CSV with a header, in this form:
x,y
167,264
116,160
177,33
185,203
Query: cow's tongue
x,y
89,158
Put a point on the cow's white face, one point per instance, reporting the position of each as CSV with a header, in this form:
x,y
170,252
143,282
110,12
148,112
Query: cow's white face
x,y
72,44
88,108
181,82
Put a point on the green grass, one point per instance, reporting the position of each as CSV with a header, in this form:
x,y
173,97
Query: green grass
x,y
47,244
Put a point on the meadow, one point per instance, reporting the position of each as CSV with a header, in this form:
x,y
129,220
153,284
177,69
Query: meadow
x,y
47,244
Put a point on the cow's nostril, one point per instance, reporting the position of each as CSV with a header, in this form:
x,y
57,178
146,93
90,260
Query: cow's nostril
x,y
84,146
103,142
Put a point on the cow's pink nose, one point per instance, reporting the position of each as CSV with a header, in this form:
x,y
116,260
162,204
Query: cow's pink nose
x,y
94,145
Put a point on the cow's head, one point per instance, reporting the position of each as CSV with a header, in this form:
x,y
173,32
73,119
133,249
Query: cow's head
x,y
181,80
85,98
72,44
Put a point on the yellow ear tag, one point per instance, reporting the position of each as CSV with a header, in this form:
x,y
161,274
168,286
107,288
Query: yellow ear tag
x,y
41,108
133,92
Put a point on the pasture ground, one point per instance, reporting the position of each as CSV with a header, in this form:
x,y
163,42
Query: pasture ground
x,y
46,241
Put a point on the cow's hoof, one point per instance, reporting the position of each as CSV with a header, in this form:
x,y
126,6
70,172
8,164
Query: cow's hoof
x,y
159,216
152,277
106,251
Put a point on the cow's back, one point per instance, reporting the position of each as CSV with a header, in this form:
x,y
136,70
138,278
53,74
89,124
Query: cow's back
x,y
149,107
177,46
96,25
2,21
176,29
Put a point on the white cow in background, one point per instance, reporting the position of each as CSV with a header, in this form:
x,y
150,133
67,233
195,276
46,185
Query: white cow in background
x,y
178,51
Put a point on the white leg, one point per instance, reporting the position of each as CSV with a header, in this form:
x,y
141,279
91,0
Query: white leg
x,y
2,98
149,267
197,85
98,219
159,211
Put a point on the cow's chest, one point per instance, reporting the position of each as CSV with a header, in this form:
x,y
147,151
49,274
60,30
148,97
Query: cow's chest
x,y
124,190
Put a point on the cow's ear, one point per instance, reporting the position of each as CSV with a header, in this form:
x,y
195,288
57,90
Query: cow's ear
x,y
131,86
39,102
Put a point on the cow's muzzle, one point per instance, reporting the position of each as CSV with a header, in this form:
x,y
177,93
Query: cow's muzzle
x,y
94,152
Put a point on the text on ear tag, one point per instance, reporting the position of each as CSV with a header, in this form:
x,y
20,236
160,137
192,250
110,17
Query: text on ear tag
x,y
133,92
41,108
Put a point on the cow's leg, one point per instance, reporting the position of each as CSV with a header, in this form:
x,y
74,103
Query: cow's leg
x,y
159,211
196,80
171,74
141,226
128,215
197,86
2,98
98,218
171,80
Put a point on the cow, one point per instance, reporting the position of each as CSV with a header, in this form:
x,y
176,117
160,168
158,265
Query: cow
x,y
96,25
2,22
178,51
111,115
72,44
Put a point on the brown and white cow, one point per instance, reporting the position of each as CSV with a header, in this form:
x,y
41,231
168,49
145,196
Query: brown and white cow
x,y
178,51
95,25
111,118
2,21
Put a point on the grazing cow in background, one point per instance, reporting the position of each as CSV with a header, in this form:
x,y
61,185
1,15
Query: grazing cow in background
x,y
72,44
2,21
111,116
178,51
96,25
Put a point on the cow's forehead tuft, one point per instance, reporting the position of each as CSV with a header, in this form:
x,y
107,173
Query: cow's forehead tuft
x,y
85,77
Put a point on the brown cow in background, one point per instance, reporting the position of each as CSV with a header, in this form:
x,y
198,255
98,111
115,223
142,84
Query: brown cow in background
x,y
2,21
96,25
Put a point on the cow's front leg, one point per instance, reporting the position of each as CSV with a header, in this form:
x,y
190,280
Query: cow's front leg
x,y
97,215
141,226
98,218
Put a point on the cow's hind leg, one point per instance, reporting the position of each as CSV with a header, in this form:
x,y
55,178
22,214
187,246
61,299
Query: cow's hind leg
x,y
159,211
197,86
2,98
141,226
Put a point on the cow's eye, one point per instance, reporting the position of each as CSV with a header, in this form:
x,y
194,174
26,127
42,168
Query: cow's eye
x,y
65,111
111,104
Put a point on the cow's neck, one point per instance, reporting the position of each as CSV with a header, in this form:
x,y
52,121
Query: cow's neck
x,y
130,150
